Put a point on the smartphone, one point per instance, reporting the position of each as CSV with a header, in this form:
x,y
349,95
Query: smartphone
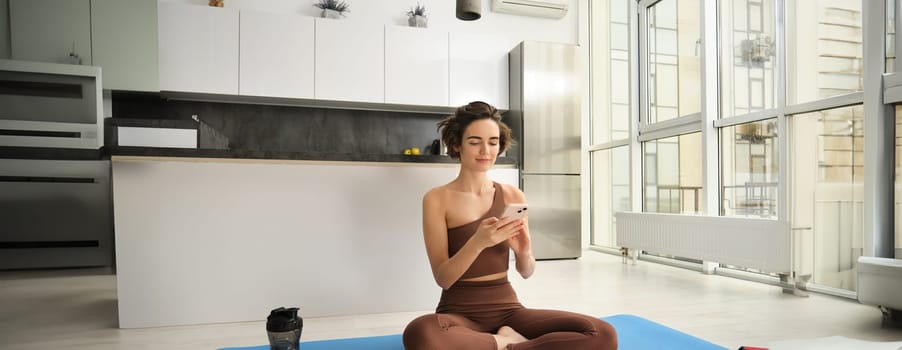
x,y
515,210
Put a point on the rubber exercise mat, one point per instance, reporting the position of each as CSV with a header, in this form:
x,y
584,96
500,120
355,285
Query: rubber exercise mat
x,y
633,333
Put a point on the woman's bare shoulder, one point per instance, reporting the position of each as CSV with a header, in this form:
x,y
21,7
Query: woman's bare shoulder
x,y
434,202
436,195
512,194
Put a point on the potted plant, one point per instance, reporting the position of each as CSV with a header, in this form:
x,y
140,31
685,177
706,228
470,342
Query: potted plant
x,y
332,8
416,17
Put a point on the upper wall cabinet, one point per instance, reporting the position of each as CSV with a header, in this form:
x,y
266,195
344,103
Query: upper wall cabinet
x,y
479,69
49,30
120,36
124,42
276,55
198,48
350,61
416,66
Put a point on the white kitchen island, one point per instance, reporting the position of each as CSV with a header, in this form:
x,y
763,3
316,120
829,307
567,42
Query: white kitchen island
x,y
207,240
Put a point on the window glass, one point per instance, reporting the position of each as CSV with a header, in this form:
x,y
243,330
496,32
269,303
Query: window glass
x,y
674,53
747,57
610,192
750,169
824,44
827,156
890,35
898,194
672,174
610,38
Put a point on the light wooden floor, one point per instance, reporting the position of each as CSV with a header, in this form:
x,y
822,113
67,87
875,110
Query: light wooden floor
x,y
76,309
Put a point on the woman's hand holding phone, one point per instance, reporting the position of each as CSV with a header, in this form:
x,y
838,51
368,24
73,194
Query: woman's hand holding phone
x,y
492,231
521,241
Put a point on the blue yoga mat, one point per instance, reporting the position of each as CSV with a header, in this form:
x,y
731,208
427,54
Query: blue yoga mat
x,y
633,333
637,333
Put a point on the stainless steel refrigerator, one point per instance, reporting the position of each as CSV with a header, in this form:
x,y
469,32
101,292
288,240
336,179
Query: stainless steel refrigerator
x,y
545,106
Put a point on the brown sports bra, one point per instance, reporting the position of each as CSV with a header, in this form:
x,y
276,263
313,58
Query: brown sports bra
x,y
491,260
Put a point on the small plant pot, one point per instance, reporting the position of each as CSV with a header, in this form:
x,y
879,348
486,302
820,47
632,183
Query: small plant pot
x,y
417,21
327,13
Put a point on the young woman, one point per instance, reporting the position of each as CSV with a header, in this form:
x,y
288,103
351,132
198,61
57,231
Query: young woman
x,y
469,248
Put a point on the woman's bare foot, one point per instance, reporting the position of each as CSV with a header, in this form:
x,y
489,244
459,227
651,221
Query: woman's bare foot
x,y
507,335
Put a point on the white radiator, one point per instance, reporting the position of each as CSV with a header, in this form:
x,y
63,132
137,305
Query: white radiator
x,y
746,242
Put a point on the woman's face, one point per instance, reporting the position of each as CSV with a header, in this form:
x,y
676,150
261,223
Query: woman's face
x,y
480,145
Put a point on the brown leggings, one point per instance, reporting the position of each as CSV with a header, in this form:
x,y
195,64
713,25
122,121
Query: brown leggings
x,y
470,312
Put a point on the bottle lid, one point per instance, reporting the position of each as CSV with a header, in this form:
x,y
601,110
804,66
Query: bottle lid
x,y
283,320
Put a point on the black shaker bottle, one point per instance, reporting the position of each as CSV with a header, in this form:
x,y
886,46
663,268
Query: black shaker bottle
x,y
283,326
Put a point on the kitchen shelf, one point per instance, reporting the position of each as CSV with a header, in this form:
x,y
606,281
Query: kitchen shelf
x,y
274,155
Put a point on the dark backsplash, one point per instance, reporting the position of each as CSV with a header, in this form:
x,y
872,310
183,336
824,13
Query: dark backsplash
x,y
292,129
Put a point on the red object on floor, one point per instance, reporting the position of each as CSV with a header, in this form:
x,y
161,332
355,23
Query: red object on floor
x,y
751,348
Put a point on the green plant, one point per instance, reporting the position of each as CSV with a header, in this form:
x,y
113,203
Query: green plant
x,y
419,10
336,5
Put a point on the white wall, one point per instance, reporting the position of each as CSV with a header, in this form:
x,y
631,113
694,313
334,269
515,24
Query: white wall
x,y
440,13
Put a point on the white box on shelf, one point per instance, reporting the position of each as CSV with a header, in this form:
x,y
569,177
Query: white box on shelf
x,y
157,137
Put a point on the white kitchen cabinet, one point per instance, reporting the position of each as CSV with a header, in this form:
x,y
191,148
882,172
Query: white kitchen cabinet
x,y
350,61
276,55
198,48
124,42
49,30
479,69
416,66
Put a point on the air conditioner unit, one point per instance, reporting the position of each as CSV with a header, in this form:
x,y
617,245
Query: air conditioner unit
x,y
536,8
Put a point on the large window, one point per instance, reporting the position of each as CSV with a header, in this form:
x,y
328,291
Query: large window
x,y
673,44
673,174
748,56
824,44
772,126
750,169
